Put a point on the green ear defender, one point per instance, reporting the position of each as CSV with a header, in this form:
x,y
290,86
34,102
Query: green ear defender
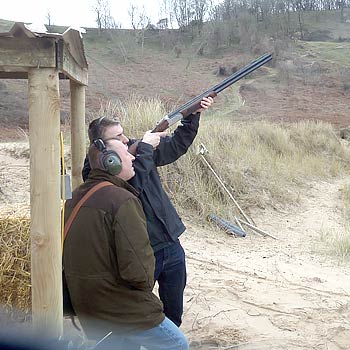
x,y
109,160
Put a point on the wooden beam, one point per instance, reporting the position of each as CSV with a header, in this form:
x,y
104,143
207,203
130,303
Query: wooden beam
x,y
24,53
68,65
78,147
13,75
4,74
46,255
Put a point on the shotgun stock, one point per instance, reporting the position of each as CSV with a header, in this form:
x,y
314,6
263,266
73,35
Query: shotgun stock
x,y
195,103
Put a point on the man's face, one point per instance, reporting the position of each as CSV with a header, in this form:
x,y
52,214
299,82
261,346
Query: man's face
x,y
115,132
126,158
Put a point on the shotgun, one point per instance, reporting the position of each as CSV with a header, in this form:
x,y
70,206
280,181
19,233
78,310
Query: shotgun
x,y
195,103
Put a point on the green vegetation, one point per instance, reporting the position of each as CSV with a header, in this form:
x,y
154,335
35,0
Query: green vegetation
x,y
334,53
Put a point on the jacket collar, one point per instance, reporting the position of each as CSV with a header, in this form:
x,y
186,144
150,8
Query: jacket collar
x,y
98,175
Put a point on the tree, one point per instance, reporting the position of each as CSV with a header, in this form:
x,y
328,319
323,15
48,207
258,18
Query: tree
x,y
139,19
341,4
132,13
48,17
181,11
104,19
199,9
140,23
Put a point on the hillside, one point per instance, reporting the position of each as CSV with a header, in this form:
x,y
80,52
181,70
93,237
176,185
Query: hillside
x,y
302,77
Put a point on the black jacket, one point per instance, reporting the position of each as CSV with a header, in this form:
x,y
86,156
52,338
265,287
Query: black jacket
x,y
164,225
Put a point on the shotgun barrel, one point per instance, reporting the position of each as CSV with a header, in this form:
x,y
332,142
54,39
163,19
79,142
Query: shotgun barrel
x,y
194,104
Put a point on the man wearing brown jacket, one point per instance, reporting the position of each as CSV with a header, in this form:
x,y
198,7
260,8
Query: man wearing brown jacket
x,y
108,260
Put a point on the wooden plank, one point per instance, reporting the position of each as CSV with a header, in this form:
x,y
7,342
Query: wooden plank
x,y
72,37
46,255
68,65
18,53
78,140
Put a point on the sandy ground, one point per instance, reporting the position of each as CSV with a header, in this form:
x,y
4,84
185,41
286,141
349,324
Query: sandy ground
x,y
253,292
263,293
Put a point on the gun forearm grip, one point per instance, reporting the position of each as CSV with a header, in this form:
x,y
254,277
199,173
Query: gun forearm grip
x,y
196,105
161,126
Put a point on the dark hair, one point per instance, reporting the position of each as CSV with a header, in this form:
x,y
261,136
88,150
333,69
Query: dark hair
x,y
98,126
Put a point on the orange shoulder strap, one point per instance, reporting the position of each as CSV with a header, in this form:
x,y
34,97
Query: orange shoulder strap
x,y
81,202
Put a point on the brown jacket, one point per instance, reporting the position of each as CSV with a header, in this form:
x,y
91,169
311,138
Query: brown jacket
x,y
108,260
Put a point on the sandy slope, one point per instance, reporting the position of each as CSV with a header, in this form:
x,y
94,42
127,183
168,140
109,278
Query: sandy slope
x,y
257,292
267,293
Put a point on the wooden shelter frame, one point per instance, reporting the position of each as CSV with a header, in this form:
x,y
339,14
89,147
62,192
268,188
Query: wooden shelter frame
x,y
43,59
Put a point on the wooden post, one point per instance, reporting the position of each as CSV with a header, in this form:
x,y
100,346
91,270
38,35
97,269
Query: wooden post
x,y
46,256
78,147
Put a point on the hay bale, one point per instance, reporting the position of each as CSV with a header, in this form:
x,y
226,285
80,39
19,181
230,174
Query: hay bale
x,y
15,288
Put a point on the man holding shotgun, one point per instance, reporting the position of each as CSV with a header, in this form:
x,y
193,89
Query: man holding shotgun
x,y
164,225
156,149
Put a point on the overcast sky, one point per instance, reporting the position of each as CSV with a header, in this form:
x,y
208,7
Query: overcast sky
x,y
74,12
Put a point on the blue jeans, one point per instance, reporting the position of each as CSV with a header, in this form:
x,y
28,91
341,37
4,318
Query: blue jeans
x,y
166,336
170,272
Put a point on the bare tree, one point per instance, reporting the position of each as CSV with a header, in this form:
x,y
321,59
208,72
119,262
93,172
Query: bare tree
x,y
98,13
140,23
199,9
143,24
341,6
190,13
104,19
182,12
143,20
48,17
132,13
166,11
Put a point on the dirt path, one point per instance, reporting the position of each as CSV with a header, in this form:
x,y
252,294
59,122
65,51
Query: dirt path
x,y
264,294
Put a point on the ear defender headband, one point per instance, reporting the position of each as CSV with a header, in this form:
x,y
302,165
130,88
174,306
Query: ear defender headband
x,y
109,160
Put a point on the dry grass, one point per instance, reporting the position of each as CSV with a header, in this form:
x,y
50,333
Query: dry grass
x,y
263,164
338,241
15,259
136,114
18,150
346,202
